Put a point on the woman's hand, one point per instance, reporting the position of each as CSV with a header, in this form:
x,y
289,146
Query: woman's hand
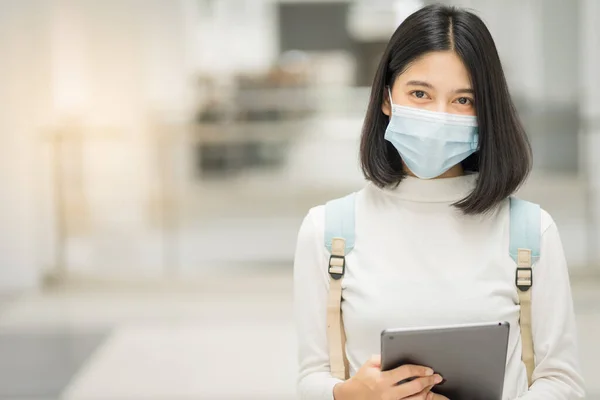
x,y
370,383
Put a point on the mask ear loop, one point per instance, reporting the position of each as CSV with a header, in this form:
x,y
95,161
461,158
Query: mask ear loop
x,y
391,102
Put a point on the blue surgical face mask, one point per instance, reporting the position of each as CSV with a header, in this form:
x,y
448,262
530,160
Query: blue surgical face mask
x,y
430,143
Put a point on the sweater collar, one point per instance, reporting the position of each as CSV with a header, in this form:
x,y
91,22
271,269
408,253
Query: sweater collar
x,y
434,190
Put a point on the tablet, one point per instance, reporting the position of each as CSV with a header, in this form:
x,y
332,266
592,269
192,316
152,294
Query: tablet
x,y
471,358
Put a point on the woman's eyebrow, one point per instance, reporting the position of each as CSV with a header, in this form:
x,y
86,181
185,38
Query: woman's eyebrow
x,y
420,83
461,91
430,86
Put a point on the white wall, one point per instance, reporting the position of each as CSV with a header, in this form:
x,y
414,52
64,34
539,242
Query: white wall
x,y
590,113
534,39
134,60
117,66
25,99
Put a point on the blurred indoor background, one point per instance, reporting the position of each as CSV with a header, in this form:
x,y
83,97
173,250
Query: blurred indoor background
x,y
158,156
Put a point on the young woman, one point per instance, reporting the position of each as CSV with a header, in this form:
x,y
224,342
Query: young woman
x,y
442,150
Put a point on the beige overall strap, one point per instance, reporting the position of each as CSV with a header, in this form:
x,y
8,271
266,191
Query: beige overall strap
x,y
524,284
336,336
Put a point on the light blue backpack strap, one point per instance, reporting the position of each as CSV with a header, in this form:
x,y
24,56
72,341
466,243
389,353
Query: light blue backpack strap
x,y
339,241
524,248
339,221
525,228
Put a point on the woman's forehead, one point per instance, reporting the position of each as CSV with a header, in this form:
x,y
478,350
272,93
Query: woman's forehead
x,y
442,70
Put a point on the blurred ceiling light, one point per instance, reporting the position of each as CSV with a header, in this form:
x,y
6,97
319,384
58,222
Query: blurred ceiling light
x,y
70,67
404,8
376,20
371,20
312,1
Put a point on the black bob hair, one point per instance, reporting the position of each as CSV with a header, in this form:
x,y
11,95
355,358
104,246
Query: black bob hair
x,y
504,157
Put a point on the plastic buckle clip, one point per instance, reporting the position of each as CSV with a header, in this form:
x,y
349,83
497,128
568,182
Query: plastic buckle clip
x,y
337,268
524,279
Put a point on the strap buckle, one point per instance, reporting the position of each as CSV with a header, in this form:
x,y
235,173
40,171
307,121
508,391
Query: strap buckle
x,y
524,278
337,266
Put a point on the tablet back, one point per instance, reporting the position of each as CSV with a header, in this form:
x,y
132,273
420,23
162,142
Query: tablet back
x,y
471,358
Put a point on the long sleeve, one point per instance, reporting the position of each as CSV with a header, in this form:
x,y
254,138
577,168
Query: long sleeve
x,y
556,375
311,285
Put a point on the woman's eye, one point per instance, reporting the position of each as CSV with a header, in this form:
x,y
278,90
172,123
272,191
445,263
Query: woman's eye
x,y
464,101
419,94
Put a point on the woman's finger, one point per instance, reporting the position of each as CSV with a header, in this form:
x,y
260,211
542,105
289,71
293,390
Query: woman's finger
x,y
415,386
425,394
407,371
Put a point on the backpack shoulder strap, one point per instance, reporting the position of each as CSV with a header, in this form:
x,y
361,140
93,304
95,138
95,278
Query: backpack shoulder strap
x,y
339,241
524,248
339,222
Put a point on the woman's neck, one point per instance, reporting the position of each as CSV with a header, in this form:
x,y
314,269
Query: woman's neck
x,y
453,172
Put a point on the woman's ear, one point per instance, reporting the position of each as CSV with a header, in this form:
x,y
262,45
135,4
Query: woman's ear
x,y
386,108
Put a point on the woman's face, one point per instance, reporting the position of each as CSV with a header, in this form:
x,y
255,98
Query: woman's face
x,y
437,81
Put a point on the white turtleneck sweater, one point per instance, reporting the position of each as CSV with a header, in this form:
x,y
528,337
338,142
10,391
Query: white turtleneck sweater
x,y
418,261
